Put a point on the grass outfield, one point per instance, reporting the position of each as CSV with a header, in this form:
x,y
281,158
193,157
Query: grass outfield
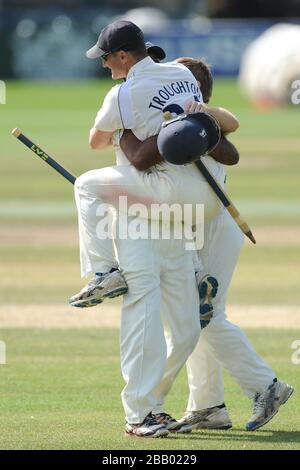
x,y
60,390
50,274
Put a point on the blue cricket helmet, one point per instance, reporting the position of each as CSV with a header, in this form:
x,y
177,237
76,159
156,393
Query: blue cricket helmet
x,y
187,137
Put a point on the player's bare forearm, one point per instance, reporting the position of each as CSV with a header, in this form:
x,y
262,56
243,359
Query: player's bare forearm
x,y
225,152
228,122
99,140
142,155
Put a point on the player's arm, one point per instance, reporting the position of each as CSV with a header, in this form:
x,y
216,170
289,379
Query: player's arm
x,y
143,155
225,152
228,121
107,121
99,139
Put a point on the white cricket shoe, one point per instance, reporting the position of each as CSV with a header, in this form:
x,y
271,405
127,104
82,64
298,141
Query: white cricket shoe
x,y
267,403
148,428
171,423
209,418
99,288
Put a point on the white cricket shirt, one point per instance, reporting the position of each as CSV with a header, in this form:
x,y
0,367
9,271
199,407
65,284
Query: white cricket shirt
x,y
139,103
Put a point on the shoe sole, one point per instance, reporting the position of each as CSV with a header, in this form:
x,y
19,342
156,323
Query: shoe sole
x,y
224,427
291,391
94,300
213,426
194,427
157,435
208,290
183,430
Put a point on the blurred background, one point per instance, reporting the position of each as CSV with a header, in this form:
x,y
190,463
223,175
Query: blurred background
x,y
47,38
52,94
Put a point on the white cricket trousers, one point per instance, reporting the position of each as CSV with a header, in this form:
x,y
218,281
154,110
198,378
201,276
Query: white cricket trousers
x,y
160,276
221,343
162,293
164,183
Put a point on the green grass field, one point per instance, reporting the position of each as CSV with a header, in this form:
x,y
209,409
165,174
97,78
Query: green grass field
x,y
61,388
61,391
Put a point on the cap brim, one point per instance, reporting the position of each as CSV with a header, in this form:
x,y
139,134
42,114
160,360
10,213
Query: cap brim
x,y
156,50
95,52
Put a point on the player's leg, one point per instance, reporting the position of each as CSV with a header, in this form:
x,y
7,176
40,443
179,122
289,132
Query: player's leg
x,y
95,196
180,311
226,341
206,388
206,408
220,257
143,345
254,376
191,189
203,367
107,281
90,237
97,192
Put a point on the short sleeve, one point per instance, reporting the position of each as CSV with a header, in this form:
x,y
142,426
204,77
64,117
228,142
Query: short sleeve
x,y
108,117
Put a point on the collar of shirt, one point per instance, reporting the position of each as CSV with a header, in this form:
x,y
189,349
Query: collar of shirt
x,y
139,66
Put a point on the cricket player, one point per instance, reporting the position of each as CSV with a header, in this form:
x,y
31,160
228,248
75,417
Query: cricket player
x,y
154,272
221,343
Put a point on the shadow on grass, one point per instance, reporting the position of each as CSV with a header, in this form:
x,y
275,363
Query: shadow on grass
x,y
239,435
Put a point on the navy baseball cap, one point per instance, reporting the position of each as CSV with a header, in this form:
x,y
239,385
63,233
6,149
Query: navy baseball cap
x,y
118,36
153,49
187,137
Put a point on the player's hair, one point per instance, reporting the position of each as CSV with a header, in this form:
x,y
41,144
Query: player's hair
x,y
202,72
139,53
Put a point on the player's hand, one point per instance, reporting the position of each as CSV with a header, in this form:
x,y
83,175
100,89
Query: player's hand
x,y
195,107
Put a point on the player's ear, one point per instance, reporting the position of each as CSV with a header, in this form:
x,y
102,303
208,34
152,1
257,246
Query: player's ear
x,y
123,56
199,84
